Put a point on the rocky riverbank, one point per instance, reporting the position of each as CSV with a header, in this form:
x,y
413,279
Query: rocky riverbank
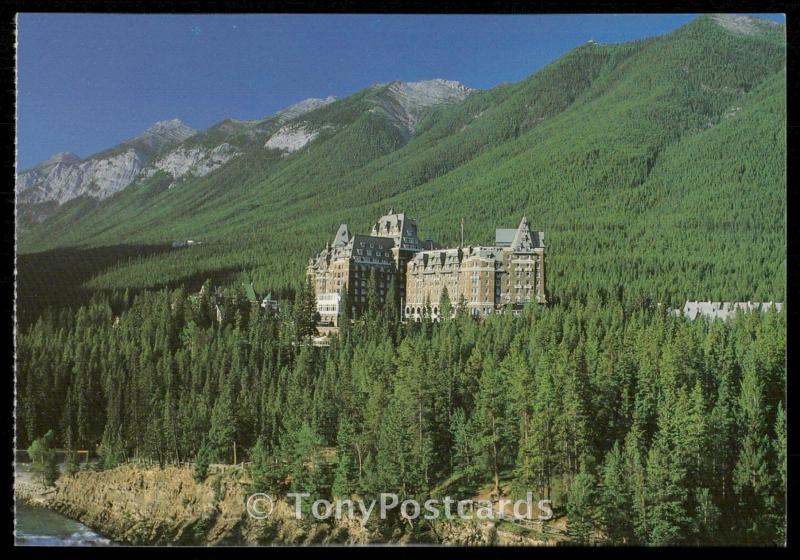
x,y
138,505
27,489
150,505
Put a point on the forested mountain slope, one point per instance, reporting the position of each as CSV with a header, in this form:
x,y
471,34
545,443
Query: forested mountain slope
x,y
655,168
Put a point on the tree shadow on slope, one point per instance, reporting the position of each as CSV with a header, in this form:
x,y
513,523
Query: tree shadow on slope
x,y
55,279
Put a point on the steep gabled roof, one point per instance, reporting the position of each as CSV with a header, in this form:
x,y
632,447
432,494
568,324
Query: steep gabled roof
x,y
342,236
521,239
522,242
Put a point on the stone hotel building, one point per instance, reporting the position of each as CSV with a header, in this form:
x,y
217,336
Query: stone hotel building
x,y
487,279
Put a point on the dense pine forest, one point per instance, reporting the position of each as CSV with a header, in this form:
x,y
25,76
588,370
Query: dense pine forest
x,y
644,427
657,171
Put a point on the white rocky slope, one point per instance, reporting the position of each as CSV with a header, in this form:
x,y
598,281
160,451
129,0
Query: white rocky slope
x,y
291,137
402,102
201,160
192,160
744,25
65,176
63,181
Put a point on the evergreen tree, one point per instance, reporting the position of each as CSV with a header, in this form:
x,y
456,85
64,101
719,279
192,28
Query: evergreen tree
x,y
462,449
111,449
345,312
445,307
723,445
636,467
392,303
752,478
305,468
71,465
397,468
780,458
374,303
346,474
305,312
582,509
616,498
668,520
267,474
706,518
201,464
536,460
491,423
461,308
205,307
221,436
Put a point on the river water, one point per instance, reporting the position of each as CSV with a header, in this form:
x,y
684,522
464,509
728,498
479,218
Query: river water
x,y
42,527
35,526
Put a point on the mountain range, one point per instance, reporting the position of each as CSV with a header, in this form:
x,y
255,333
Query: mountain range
x,y
655,166
180,151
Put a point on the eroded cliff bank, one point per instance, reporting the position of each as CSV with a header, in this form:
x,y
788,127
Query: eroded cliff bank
x,y
137,505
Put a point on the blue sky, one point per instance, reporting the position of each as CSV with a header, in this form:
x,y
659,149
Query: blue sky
x,y
87,82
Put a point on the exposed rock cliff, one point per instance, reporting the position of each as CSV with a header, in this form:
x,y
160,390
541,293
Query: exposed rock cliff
x,y
293,137
65,176
402,102
744,25
161,147
62,181
194,160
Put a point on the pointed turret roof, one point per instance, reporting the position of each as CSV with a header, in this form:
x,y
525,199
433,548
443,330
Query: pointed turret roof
x,y
522,241
342,236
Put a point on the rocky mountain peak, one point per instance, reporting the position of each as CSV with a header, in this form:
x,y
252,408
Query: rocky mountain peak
x,y
426,93
743,25
173,130
158,136
402,102
60,157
